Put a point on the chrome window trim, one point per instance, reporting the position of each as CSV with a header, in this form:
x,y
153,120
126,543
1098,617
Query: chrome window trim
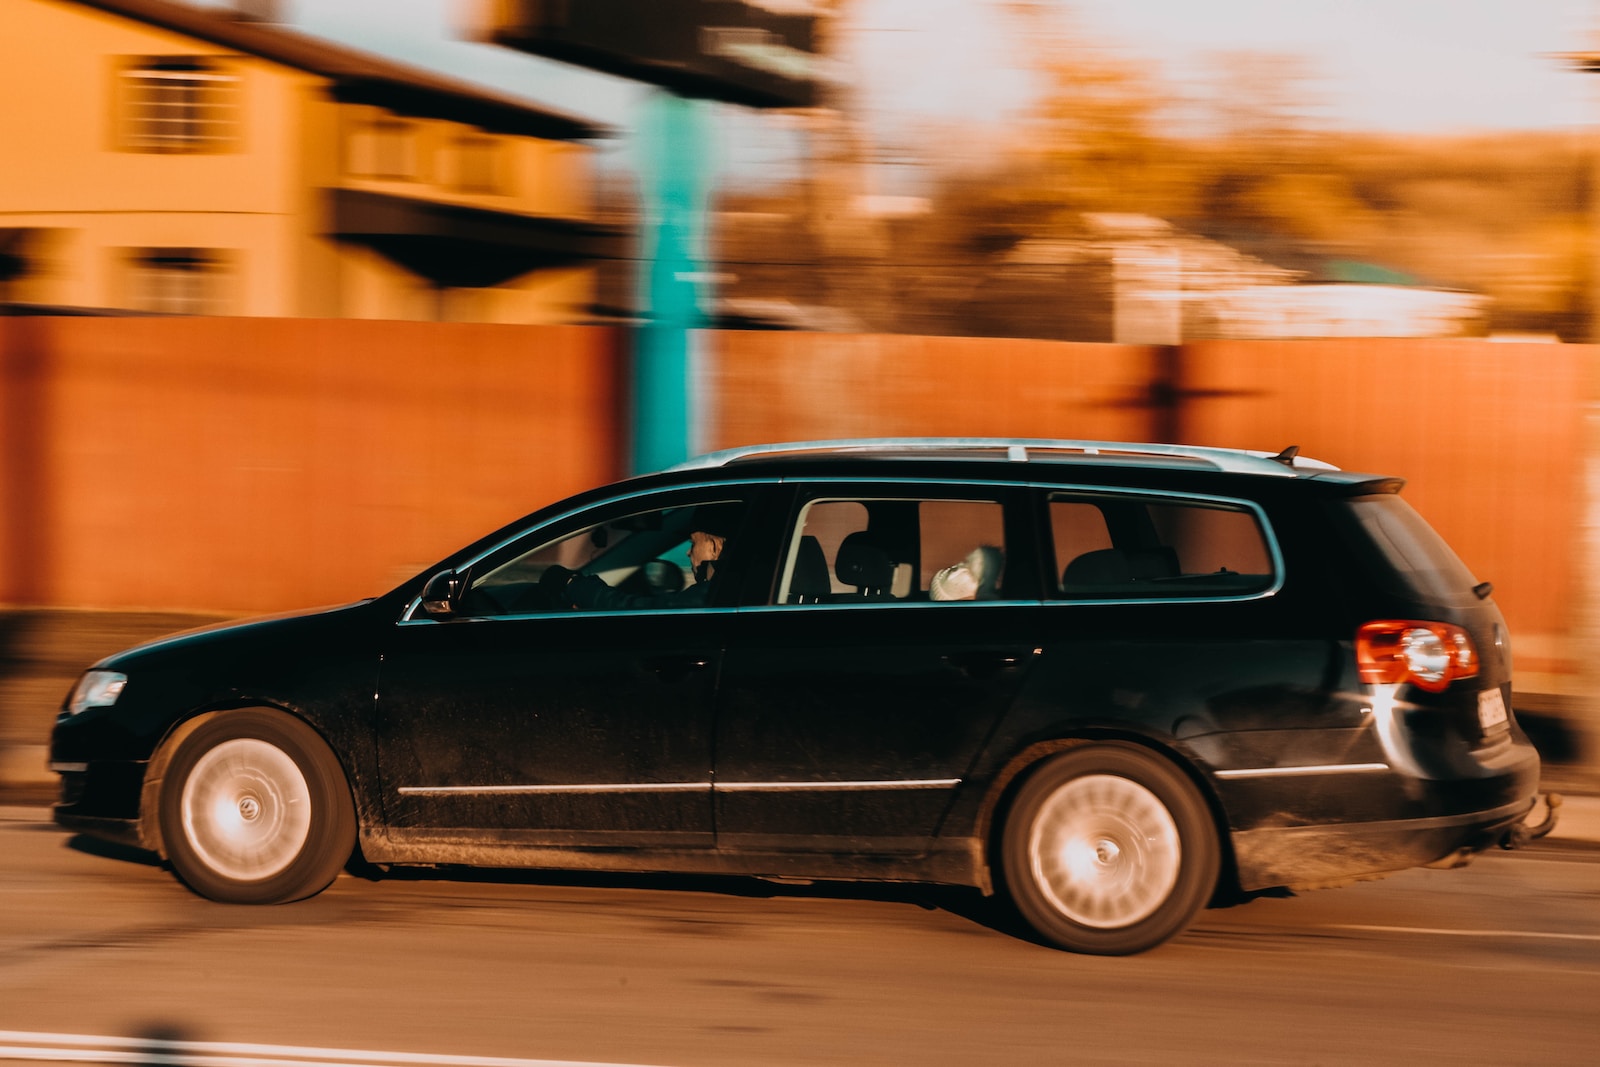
x,y
1268,535
416,601
1297,772
1088,602
786,572
893,605
632,613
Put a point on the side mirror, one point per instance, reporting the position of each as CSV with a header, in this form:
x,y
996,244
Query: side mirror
x,y
440,594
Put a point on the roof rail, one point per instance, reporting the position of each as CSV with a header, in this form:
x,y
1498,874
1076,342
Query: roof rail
x,y
1235,460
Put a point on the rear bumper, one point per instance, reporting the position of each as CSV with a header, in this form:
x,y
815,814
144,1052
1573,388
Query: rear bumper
x,y
1308,857
1409,803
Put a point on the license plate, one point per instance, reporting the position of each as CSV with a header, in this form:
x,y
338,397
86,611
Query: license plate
x,y
1491,709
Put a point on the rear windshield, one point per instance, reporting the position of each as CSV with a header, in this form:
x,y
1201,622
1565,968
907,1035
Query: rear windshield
x,y
1408,548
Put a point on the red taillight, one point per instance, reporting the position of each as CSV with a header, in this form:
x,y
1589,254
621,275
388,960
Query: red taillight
x,y
1429,655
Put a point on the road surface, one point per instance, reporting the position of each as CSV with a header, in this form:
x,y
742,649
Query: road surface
x,y
109,956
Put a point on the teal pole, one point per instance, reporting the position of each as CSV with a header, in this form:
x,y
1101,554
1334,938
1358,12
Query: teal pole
x,y
675,178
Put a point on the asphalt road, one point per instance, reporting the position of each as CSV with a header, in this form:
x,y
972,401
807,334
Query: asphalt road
x,y
1497,963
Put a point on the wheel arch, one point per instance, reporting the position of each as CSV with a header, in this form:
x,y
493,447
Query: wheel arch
x,y
150,836
1003,790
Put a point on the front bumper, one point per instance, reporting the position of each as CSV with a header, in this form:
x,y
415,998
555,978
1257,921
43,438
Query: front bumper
x,y
101,798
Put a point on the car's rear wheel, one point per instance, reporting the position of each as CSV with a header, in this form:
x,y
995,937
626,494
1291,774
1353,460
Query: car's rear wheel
x,y
1109,850
256,810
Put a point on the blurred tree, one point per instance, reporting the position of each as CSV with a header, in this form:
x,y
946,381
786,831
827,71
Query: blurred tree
x,y
1266,101
1004,247
1092,141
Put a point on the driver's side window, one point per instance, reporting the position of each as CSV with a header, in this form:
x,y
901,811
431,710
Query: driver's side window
x,y
641,557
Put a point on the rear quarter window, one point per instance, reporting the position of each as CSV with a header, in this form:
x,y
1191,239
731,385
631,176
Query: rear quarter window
x,y
1118,547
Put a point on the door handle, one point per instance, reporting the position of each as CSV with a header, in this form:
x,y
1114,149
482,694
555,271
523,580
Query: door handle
x,y
983,664
676,668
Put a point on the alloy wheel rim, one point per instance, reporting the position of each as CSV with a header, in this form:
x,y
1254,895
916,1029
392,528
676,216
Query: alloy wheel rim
x,y
1105,851
246,809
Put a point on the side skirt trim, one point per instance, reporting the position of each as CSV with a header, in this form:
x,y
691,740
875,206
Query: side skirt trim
x,y
678,787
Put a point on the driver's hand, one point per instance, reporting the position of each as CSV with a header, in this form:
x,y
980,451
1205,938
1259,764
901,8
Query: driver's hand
x,y
553,584
586,592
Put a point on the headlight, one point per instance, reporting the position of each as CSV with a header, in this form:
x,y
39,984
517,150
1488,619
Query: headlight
x,y
96,689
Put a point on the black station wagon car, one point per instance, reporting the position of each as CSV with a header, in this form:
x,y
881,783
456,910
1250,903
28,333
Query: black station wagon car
x,y
1114,682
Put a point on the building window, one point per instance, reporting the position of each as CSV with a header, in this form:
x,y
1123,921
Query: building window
x,y
177,281
384,148
478,164
183,104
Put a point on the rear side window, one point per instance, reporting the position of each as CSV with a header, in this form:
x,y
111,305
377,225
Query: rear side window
x,y
1119,547
1407,551
845,550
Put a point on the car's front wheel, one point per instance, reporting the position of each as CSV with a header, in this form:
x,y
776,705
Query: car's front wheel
x,y
255,809
1109,850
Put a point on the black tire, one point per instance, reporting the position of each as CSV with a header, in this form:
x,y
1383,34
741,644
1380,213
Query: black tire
x,y
1109,850
256,810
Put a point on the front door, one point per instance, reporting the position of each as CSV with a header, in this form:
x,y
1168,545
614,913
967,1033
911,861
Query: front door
x,y
580,730
519,718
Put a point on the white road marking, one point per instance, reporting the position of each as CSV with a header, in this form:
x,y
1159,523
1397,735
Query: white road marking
x,y
1469,933
86,1048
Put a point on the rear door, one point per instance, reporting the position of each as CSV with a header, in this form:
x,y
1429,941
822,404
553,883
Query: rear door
x,y
853,701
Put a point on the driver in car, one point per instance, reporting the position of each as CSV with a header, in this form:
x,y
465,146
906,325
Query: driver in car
x,y
708,541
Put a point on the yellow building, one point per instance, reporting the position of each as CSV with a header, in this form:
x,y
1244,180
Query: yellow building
x,y
161,158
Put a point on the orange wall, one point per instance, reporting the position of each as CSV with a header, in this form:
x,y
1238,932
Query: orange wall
x,y
1489,436
769,386
244,465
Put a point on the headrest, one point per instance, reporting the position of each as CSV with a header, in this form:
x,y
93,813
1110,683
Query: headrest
x,y
863,563
1158,562
810,578
1110,565
1103,566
